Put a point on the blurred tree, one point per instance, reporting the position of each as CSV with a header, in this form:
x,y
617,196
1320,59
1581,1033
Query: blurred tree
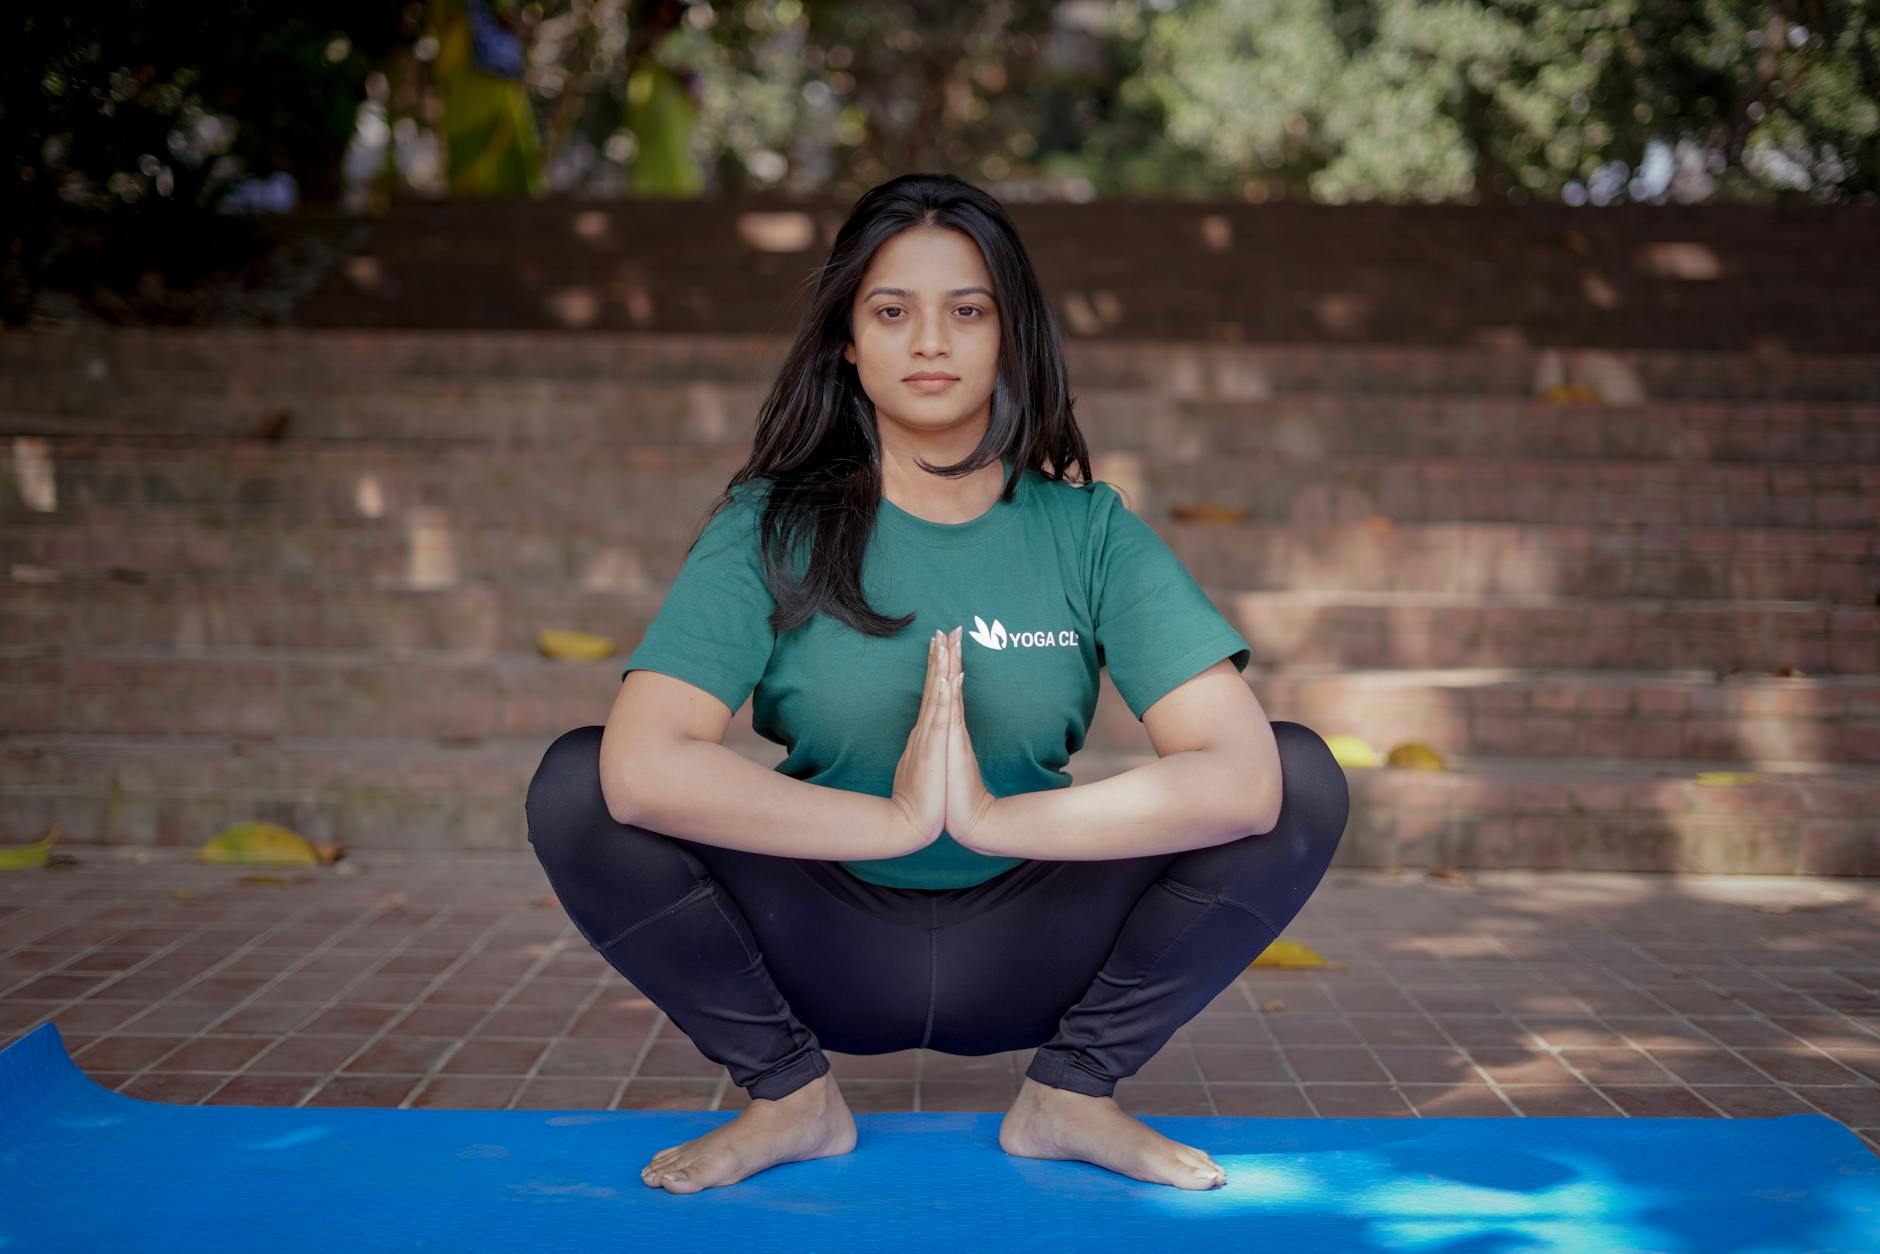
x,y
938,85
128,123
127,126
822,99
1437,99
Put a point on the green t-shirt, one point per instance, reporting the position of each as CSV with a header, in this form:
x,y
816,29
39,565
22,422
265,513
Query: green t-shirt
x,y
1049,587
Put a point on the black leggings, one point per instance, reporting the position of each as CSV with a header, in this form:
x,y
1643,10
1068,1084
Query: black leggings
x,y
764,961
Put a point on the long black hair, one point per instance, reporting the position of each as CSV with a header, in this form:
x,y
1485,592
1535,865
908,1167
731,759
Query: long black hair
x,y
817,444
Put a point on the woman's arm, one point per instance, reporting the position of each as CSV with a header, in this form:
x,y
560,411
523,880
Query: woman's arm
x,y
1185,801
702,791
1216,778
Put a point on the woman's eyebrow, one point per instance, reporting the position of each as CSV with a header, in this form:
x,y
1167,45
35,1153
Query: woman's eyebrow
x,y
903,292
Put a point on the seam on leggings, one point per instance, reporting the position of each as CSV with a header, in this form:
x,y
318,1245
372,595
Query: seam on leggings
x,y
686,900
1083,1049
749,956
1247,909
1196,894
933,969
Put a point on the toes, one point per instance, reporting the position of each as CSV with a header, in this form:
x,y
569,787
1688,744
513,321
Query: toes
x,y
672,1181
1201,1166
659,1168
1197,1158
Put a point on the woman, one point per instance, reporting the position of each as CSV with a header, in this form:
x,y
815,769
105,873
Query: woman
x,y
885,889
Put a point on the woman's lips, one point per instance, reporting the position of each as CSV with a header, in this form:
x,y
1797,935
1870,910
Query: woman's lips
x,y
930,385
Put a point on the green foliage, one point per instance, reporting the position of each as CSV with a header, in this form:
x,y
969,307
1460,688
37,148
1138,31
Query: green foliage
x,y
127,122
1437,99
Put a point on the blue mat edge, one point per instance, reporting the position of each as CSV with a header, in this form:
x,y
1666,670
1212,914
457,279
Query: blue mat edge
x,y
43,1051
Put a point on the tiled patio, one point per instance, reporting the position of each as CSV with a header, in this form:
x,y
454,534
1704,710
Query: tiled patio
x,y
457,981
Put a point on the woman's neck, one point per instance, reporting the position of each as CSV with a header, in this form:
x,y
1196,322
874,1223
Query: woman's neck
x,y
935,497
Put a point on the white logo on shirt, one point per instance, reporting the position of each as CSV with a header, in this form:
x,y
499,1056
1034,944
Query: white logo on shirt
x,y
997,637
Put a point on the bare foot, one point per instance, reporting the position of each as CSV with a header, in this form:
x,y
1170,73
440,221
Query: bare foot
x,y
812,1122
1047,1122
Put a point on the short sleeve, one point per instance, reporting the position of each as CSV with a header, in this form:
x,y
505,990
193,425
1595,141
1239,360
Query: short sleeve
x,y
713,629
1155,627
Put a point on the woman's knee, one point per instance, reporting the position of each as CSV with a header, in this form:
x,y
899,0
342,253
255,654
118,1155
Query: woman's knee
x,y
1315,796
1271,873
564,800
598,865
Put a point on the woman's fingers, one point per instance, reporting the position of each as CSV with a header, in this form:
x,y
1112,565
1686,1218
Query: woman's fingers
x,y
942,697
928,685
956,713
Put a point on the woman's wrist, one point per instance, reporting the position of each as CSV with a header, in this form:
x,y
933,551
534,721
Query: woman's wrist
x,y
990,834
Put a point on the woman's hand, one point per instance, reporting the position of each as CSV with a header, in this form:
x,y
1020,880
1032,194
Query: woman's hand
x,y
968,805
920,792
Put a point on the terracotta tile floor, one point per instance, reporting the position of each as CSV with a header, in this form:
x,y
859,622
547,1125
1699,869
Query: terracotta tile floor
x,y
457,981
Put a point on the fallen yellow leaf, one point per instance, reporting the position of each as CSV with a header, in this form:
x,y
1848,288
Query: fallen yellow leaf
x,y
36,854
1208,512
1351,750
1726,779
1285,953
573,646
1416,756
268,844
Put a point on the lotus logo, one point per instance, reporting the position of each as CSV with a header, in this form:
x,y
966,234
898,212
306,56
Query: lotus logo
x,y
992,637
997,637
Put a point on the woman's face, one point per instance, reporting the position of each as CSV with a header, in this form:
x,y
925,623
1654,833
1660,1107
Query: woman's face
x,y
936,315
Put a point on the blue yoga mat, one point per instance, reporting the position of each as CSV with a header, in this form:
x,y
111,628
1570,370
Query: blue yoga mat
x,y
86,1169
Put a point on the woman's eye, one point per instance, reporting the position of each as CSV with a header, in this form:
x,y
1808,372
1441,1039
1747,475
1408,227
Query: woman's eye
x,y
976,309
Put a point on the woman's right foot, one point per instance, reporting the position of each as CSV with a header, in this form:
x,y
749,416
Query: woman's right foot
x,y
812,1122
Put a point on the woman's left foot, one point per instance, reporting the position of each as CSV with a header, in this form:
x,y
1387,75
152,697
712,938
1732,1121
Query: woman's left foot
x,y
1048,1122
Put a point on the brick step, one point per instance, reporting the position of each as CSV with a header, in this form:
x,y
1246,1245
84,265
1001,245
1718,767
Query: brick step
x,y
432,548
411,796
1747,221
1185,291
1560,711
644,424
577,298
1374,231
260,480
1187,270
239,362
1378,299
1135,256
1367,630
1137,271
